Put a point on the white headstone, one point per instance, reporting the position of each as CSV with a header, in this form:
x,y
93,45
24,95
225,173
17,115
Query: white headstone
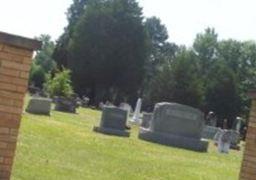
x,y
223,138
136,116
238,124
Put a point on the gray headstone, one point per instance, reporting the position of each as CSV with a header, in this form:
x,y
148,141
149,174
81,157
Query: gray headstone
x,y
176,125
113,122
146,120
66,104
211,119
209,132
235,139
223,138
39,106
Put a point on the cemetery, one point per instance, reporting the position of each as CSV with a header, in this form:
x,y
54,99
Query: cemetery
x,y
68,138
114,98
72,150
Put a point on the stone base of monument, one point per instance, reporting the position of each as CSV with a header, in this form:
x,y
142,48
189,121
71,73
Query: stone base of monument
x,y
146,120
63,104
39,106
110,131
235,140
209,132
133,122
173,140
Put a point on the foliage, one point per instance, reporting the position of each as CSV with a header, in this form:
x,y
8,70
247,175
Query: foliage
x,y
74,13
222,95
205,46
116,54
159,50
59,85
107,44
227,69
37,75
178,84
43,62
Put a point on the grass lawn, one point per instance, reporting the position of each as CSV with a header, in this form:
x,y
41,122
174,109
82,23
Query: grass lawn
x,y
64,147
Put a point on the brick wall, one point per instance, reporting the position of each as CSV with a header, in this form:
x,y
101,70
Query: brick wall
x,y
15,60
248,169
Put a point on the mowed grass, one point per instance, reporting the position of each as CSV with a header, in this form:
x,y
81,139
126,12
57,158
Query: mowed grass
x,y
64,147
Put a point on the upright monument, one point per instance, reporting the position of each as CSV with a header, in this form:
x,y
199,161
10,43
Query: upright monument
x,y
176,125
113,122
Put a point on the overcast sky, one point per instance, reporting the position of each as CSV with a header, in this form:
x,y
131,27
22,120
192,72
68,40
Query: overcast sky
x,y
183,18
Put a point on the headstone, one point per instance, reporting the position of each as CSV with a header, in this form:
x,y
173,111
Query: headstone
x,y
146,120
136,117
85,101
109,103
39,105
66,104
235,140
101,105
126,107
209,132
223,139
211,119
113,122
176,125
237,124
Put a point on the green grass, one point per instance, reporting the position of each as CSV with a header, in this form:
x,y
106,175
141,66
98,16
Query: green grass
x,y
64,147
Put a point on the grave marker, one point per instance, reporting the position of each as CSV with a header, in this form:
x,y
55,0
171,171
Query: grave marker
x,y
113,122
176,125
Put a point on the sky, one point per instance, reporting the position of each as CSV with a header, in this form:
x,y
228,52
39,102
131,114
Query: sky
x,y
183,18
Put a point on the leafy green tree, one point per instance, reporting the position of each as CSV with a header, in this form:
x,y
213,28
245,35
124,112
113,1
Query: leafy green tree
x,y
179,82
108,50
44,56
37,75
43,62
205,46
160,53
159,50
222,95
74,13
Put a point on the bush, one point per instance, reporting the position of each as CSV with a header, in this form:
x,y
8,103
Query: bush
x,y
59,85
37,76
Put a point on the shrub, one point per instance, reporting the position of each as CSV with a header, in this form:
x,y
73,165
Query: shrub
x,y
59,85
37,75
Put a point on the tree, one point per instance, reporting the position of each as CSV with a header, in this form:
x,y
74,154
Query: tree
x,y
160,53
37,75
107,50
179,82
75,11
159,49
222,95
43,62
229,51
44,56
205,46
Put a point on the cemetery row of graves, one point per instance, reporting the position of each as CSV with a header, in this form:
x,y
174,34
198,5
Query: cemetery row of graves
x,y
51,141
169,124
113,98
64,146
169,129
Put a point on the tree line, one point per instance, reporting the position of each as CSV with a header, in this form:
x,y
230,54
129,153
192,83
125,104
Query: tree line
x,y
116,54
